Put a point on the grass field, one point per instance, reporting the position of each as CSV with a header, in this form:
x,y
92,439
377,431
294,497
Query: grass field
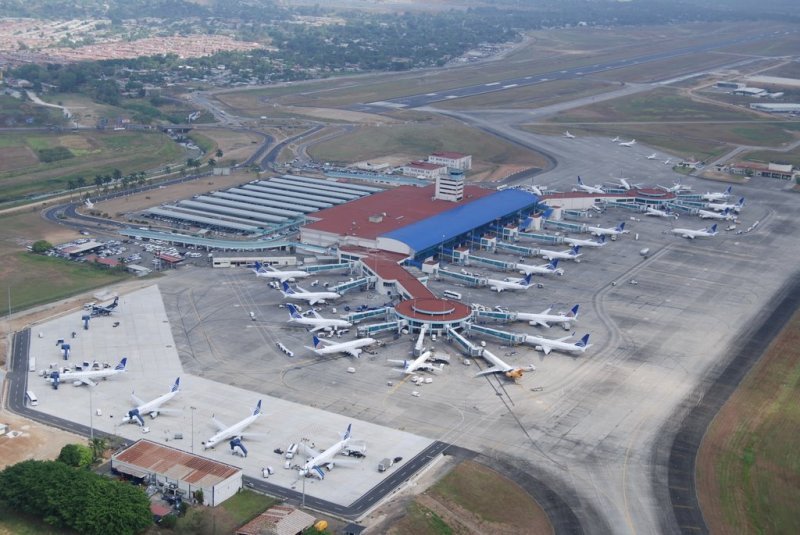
x,y
93,153
766,156
13,523
246,505
473,498
418,140
748,466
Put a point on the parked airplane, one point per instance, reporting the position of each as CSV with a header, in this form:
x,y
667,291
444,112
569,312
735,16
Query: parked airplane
x,y
570,254
676,188
601,231
311,297
717,196
725,215
153,407
541,343
423,362
652,156
233,432
271,273
352,348
586,243
589,189
615,140
498,366
545,269
89,204
86,377
692,234
649,210
544,319
627,186
519,284
722,206
105,310
568,135
317,322
327,458
667,161
630,143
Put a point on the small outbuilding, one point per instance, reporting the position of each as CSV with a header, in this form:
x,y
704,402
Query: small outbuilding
x,y
278,520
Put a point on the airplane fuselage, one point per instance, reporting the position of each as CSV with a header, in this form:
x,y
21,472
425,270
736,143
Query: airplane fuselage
x,y
233,431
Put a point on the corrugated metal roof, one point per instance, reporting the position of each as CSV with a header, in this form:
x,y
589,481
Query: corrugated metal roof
x,y
275,196
156,458
162,212
325,190
294,191
264,202
359,188
247,206
403,205
246,214
461,219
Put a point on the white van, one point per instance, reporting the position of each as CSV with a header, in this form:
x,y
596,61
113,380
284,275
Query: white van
x,y
31,398
291,450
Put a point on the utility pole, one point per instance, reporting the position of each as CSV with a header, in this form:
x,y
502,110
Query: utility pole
x,y
193,408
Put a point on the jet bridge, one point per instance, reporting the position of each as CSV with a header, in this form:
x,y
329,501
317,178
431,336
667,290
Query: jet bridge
x,y
565,225
517,249
377,328
547,238
327,267
358,317
575,214
349,285
504,336
462,278
491,262
633,207
466,346
419,347
495,315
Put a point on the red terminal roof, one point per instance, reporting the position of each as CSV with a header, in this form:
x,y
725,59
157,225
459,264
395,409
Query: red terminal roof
x,y
433,309
427,166
403,206
389,270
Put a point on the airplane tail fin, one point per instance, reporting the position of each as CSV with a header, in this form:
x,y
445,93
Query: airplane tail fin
x,y
257,410
602,239
258,266
714,228
579,180
553,264
293,313
583,342
287,289
176,386
728,190
574,312
740,203
122,364
621,226
527,279
575,250
347,433
116,299
316,344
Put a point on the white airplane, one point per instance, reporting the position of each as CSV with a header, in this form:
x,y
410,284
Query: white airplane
x,y
423,362
570,254
271,273
540,343
615,140
586,243
627,186
545,318
317,322
722,206
667,161
352,348
676,188
311,297
234,432
601,231
519,284
327,458
153,408
589,189
717,196
89,204
86,377
630,143
652,156
725,215
692,234
545,269
568,135
649,210
498,366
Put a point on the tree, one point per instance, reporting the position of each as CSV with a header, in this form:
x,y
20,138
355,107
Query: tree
x,y
219,153
41,246
198,496
98,447
117,174
98,180
76,455
71,184
212,162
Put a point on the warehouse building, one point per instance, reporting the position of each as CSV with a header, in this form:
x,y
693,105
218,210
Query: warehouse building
x,y
178,471
452,160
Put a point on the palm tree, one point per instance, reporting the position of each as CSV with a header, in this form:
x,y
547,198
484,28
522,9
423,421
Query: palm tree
x,y
98,447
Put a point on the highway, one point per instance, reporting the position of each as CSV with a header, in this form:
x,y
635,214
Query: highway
x,y
426,99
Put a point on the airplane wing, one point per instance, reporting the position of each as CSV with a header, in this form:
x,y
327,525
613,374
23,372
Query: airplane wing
x,y
318,328
396,361
314,301
136,400
87,381
540,323
353,352
487,371
309,451
252,436
547,349
219,425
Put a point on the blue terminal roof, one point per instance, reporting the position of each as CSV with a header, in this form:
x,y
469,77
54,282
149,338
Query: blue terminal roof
x,y
445,226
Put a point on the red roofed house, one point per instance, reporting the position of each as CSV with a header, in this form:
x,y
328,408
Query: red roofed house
x,y
454,160
278,520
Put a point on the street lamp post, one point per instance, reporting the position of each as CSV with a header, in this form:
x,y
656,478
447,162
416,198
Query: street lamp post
x,y
91,416
193,408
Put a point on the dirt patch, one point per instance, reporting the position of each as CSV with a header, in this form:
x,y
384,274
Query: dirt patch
x,y
76,142
12,158
339,115
34,441
235,146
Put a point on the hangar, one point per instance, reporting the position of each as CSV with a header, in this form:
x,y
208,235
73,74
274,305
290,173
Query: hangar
x,y
178,470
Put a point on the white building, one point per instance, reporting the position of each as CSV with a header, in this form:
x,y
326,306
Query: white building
x,y
454,160
178,470
776,107
423,169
